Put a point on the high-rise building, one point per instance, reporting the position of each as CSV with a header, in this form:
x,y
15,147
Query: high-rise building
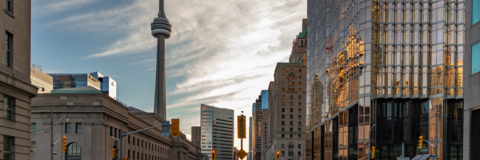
x,y
107,84
250,143
196,135
161,29
264,127
16,90
382,73
287,111
217,131
471,143
260,104
41,80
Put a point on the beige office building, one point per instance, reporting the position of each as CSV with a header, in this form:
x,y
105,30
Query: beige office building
x,y
16,90
287,111
93,129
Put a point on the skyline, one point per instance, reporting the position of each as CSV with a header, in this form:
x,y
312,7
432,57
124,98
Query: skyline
x,y
249,47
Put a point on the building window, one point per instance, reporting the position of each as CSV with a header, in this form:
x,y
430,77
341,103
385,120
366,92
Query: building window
x,y
73,151
283,135
283,103
300,70
291,116
111,132
283,109
78,128
299,76
475,11
283,129
291,129
283,83
291,70
299,110
8,148
299,129
283,70
9,112
291,122
299,97
33,128
291,103
299,116
283,76
291,109
291,96
283,122
283,116
33,147
9,5
299,122
68,127
293,89
475,57
283,89
283,97
283,145
299,135
300,103
8,49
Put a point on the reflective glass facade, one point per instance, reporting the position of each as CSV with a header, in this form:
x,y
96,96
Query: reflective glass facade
x,y
476,58
394,63
475,11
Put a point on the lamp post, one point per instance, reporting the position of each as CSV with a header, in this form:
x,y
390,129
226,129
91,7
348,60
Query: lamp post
x,y
369,141
51,131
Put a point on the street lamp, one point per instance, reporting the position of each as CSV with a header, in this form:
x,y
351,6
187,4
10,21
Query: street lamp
x,y
52,130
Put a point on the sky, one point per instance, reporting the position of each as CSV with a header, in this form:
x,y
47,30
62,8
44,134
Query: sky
x,y
221,52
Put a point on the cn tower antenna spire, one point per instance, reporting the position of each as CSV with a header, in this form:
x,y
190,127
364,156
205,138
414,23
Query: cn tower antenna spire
x,y
161,29
161,8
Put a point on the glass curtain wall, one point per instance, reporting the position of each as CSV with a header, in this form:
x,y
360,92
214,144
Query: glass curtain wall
x,y
403,58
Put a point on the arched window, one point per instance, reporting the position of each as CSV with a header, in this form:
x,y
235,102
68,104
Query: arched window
x,y
74,152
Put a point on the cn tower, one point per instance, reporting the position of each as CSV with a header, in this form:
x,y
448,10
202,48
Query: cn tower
x,y
161,30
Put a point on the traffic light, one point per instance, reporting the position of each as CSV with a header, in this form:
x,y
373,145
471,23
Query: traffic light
x,y
241,127
214,154
372,152
278,155
113,152
124,158
175,130
64,143
420,142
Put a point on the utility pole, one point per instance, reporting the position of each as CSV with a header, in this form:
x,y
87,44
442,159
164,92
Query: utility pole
x,y
51,134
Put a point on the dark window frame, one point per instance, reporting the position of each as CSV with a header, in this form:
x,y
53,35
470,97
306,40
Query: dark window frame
x,y
8,49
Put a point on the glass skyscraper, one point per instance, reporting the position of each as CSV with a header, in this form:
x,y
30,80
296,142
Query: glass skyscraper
x,y
397,64
257,107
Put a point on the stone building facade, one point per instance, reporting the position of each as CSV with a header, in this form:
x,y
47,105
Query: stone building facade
x,y
16,89
93,127
287,111
471,115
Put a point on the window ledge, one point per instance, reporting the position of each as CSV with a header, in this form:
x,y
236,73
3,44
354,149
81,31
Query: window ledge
x,y
9,13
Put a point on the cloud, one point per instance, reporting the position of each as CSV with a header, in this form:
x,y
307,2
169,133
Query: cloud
x,y
225,50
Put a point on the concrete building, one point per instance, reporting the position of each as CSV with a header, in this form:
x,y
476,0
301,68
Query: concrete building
x,y
264,125
217,131
94,125
299,46
287,112
16,89
42,81
196,135
397,65
471,127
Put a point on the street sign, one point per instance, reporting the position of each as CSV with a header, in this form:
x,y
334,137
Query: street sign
x,y
54,153
241,154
